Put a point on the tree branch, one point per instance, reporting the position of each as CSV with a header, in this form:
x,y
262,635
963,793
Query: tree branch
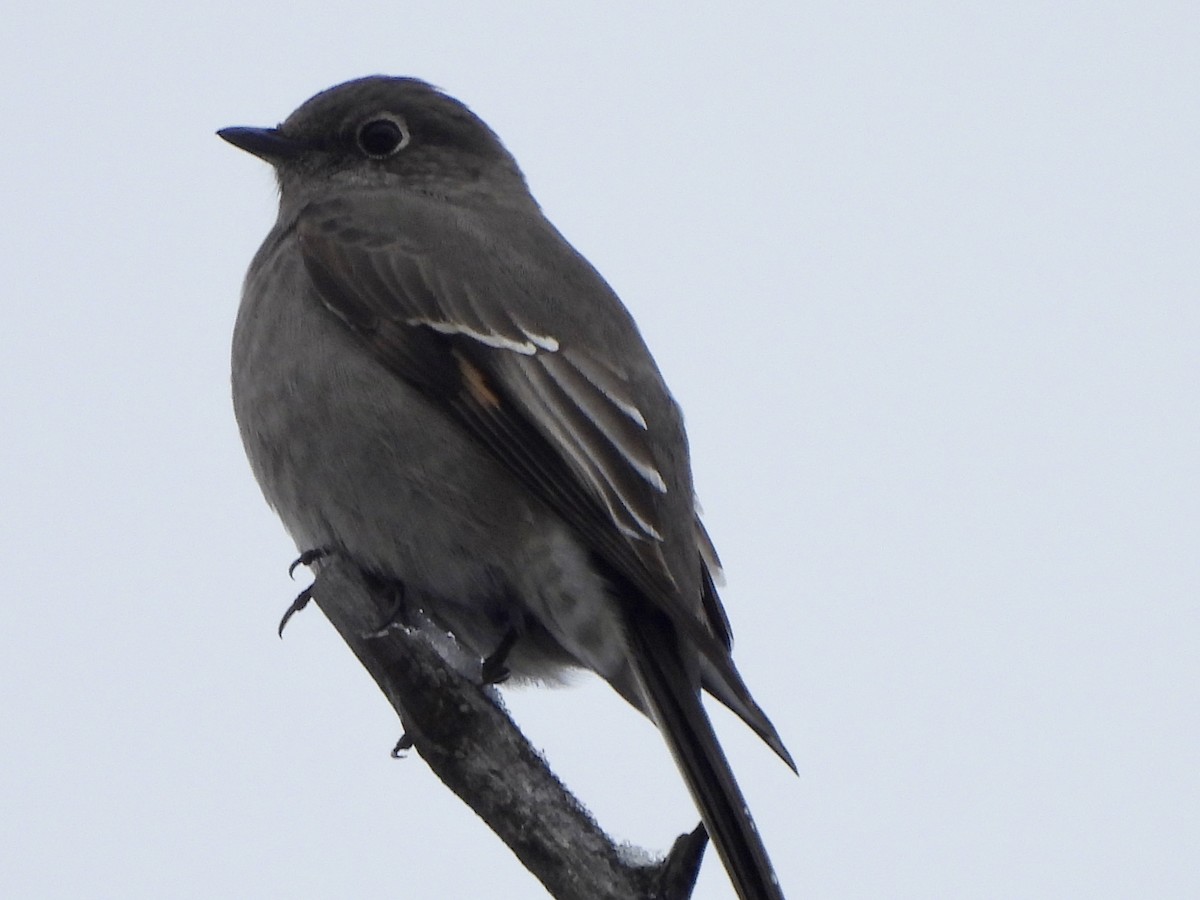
x,y
476,750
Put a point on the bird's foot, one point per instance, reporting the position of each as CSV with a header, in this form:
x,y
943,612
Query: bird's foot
x,y
307,558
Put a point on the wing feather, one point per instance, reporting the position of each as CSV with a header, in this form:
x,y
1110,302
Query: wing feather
x,y
562,419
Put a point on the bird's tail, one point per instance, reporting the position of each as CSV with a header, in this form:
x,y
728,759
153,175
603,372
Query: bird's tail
x,y
673,699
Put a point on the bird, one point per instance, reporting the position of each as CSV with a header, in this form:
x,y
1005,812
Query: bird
x,y
431,382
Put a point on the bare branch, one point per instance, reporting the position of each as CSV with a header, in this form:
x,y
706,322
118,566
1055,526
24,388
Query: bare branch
x,y
477,751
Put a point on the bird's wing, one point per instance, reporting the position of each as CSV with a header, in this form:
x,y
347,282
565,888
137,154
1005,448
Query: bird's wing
x,y
566,420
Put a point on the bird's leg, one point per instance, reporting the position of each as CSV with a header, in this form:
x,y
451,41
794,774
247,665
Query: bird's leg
x,y
493,670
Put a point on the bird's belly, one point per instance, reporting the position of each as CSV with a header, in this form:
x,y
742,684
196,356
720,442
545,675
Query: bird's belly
x,y
352,457
392,480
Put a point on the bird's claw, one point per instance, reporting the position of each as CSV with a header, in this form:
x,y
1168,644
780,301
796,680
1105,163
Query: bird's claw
x,y
403,745
308,557
298,604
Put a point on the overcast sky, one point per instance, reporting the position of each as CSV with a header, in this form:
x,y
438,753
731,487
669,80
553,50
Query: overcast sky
x,y
924,279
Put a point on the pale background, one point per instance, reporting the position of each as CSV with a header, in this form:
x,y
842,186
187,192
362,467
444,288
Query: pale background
x,y
924,278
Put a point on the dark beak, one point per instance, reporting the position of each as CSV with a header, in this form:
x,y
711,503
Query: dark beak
x,y
265,143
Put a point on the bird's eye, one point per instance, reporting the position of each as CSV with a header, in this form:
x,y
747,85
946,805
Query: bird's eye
x,y
382,137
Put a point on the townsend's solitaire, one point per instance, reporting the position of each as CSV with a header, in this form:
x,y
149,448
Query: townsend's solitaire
x,y
431,382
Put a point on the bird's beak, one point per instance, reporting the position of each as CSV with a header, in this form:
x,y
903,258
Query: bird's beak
x,y
265,143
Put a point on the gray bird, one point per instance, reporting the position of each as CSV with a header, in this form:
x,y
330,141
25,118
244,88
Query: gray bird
x,y
430,381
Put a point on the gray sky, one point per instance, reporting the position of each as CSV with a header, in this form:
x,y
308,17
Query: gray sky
x,y
924,279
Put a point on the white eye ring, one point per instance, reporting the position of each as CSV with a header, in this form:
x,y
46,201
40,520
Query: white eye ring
x,y
383,135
